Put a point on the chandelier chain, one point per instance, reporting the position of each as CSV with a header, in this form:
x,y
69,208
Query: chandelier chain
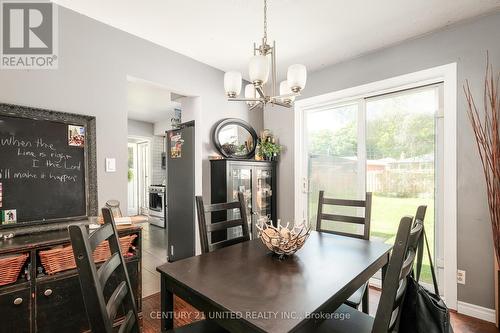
x,y
265,19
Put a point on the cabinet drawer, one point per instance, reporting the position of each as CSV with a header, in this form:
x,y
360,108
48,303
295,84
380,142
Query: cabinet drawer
x,y
15,307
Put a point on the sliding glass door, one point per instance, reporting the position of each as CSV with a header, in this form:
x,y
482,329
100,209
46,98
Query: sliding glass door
x,y
389,145
334,164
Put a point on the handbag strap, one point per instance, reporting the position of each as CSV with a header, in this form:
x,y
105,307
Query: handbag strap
x,y
419,260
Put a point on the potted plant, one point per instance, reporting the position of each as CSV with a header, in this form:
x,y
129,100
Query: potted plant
x,y
487,133
269,149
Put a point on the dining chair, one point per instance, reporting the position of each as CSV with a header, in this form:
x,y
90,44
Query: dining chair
x,y
207,228
346,319
101,313
361,296
420,216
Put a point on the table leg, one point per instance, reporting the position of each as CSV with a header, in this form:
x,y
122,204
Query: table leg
x,y
384,269
167,306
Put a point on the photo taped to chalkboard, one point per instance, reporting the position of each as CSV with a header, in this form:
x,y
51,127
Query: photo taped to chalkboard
x,y
76,136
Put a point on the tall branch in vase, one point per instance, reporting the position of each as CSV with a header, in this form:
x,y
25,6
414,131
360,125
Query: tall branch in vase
x,y
487,132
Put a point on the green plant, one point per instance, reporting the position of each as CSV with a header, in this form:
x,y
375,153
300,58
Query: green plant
x,y
269,149
130,175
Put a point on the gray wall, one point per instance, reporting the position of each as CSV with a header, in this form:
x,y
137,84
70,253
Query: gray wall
x,y
94,61
280,121
465,44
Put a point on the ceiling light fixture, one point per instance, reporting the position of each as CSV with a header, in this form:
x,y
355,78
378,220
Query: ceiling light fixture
x,y
263,64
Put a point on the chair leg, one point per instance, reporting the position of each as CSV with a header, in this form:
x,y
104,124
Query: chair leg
x,y
366,301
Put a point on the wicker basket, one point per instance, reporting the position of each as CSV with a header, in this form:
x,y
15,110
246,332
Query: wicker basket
x,y
10,267
281,240
61,259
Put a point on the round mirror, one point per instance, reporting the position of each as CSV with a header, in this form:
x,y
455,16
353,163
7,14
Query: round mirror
x,y
235,138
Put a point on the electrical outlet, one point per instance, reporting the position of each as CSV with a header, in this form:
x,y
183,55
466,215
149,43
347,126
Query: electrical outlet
x,y
460,277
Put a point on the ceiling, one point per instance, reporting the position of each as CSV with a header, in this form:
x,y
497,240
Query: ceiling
x,y
149,102
315,33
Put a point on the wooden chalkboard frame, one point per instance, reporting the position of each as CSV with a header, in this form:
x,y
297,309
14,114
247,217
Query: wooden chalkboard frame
x,y
90,157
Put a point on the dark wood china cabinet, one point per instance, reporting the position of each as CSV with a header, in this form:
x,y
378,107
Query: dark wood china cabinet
x,y
255,179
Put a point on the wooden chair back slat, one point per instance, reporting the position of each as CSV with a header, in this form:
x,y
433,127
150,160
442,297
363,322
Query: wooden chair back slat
x,y
346,234
129,323
221,206
224,225
394,285
100,235
115,301
205,227
365,221
229,242
106,270
344,202
343,218
100,313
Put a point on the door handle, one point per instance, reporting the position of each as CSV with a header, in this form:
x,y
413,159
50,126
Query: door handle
x,y
18,301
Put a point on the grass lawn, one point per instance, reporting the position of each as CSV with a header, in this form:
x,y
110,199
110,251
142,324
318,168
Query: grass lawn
x,y
386,214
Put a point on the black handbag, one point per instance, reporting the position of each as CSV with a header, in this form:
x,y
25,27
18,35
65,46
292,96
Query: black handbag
x,y
423,311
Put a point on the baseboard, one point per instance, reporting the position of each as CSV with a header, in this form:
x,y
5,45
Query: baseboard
x,y
467,309
476,311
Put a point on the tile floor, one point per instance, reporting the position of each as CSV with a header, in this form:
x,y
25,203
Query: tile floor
x,y
154,253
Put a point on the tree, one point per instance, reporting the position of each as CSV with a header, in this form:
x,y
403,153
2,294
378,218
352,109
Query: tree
x,y
393,134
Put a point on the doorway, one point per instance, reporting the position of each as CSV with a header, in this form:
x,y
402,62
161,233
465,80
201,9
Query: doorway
x,y
139,169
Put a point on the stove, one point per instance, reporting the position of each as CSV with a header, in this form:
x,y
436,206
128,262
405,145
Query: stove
x,y
157,204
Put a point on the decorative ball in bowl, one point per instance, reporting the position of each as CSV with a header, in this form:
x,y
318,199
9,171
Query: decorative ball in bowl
x,y
281,240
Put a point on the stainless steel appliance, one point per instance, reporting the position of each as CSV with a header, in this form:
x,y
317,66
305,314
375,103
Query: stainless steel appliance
x,y
157,204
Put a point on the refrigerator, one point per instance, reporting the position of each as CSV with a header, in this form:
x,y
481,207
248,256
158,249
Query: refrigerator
x,y
180,192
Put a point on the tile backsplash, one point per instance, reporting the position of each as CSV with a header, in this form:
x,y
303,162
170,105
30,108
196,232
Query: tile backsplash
x,y
159,175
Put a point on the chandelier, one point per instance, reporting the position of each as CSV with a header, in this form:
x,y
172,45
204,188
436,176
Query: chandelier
x,y
262,73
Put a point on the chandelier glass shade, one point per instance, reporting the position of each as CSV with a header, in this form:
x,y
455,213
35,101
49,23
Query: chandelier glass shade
x,y
263,78
232,83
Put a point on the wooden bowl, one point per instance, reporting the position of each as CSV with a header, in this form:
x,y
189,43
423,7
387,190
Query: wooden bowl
x,y
282,240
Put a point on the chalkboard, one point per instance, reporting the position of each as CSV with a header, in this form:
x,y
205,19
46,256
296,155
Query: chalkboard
x,y
42,169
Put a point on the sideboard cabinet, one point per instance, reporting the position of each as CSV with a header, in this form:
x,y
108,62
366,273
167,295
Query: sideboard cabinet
x,y
257,181
39,302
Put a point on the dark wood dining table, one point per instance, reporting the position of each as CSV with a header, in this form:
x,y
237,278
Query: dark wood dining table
x,y
245,288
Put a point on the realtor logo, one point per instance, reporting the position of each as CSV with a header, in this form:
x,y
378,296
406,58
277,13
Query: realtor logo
x,y
29,35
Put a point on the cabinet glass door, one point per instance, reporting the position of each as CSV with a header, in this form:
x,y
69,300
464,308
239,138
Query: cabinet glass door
x,y
263,195
240,181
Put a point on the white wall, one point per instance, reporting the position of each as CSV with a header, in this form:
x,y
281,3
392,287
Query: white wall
x,y
466,44
94,62
139,128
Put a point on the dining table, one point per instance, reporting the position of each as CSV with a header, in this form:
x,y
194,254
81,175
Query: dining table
x,y
246,288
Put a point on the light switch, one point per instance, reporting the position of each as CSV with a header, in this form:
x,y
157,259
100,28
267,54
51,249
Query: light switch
x,y
110,165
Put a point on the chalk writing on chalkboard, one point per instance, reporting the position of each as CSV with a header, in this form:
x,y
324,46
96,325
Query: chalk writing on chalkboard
x,y
42,174
40,156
